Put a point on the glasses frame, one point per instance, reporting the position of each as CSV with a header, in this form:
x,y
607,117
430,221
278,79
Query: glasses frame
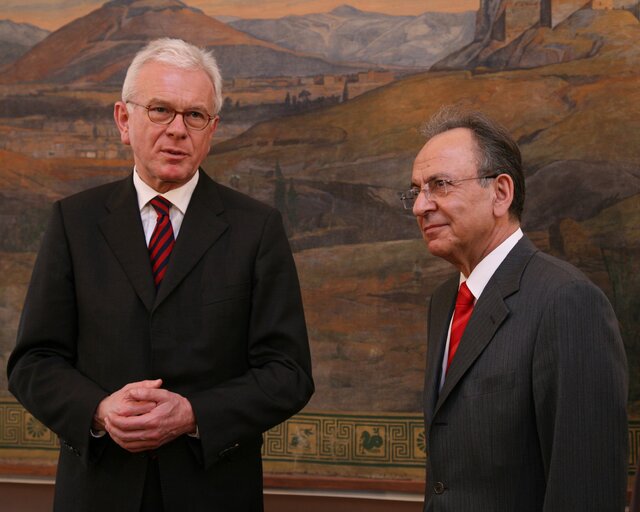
x,y
409,197
175,113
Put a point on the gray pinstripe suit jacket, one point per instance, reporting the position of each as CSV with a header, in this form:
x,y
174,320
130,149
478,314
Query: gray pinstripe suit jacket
x,y
532,413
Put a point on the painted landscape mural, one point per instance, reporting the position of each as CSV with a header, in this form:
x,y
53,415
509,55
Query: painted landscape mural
x,y
322,108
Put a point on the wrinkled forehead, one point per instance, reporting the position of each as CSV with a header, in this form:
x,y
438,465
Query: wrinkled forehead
x,y
451,154
158,79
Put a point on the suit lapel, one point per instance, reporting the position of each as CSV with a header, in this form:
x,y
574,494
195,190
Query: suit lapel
x,y
489,313
122,229
200,228
441,309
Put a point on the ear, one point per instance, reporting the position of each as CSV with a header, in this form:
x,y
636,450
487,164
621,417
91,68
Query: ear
x,y
503,189
121,117
213,127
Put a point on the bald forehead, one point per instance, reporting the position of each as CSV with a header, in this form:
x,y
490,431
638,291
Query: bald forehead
x,y
458,140
445,154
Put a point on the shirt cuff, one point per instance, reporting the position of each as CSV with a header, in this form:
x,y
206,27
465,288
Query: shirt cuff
x,y
196,434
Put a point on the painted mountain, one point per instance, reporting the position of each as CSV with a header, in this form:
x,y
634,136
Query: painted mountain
x,y
17,38
335,175
351,35
98,47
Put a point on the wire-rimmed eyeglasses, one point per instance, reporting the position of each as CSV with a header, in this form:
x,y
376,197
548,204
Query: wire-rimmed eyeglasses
x,y
161,114
435,188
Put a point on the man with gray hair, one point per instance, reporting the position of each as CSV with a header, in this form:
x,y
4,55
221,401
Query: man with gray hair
x,y
163,330
526,380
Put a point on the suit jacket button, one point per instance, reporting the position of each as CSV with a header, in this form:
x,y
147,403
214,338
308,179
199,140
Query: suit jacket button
x,y
439,487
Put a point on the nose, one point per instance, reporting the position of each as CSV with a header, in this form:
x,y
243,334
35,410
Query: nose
x,y
177,127
423,204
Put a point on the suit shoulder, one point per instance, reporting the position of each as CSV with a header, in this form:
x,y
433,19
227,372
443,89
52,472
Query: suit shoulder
x,y
234,200
553,275
559,269
92,195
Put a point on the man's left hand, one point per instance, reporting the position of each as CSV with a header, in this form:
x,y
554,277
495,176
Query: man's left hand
x,y
170,418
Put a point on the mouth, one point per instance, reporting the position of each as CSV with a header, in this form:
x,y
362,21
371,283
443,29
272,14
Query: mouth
x,y
174,153
431,229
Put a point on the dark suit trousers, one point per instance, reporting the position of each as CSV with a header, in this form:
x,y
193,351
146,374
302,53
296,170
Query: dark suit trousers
x,y
152,494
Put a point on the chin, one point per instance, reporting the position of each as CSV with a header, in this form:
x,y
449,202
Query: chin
x,y
173,174
437,248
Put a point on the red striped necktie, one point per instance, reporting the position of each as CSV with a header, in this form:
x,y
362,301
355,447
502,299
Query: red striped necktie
x,y
162,240
464,308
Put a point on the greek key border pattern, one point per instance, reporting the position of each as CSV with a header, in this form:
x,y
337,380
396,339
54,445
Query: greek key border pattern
x,y
348,439
339,439
20,430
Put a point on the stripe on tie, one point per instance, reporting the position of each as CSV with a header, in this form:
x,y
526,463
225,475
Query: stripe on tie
x,y
162,240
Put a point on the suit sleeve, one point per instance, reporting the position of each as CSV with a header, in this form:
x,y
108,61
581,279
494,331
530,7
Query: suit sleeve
x,y
279,382
580,395
41,368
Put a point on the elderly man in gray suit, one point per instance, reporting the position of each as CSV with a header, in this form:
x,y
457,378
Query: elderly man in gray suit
x,y
526,379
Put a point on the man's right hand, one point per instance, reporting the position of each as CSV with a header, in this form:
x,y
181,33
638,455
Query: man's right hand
x,y
121,403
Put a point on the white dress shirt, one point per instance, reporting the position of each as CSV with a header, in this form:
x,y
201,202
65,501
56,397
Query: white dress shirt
x,y
179,198
479,278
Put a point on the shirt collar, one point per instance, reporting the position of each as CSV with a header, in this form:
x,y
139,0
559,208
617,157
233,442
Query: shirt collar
x,y
179,197
484,270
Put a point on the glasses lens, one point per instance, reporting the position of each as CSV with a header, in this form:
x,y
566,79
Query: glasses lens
x,y
161,115
437,187
192,118
196,119
408,198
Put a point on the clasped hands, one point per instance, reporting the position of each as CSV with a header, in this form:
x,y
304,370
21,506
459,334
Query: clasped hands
x,y
141,416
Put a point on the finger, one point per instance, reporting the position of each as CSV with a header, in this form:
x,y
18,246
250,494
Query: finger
x,y
136,423
124,437
137,439
137,446
156,383
134,408
148,394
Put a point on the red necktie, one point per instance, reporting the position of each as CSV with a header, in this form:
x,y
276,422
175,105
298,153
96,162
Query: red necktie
x,y
464,308
162,240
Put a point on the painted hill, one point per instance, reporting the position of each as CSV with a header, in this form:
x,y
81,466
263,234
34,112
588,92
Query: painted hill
x,y
500,22
348,162
98,47
582,35
17,38
348,34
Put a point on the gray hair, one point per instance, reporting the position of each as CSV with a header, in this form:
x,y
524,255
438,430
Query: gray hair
x,y
178,53
497,151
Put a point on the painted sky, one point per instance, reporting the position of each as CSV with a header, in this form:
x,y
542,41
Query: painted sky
x,y
52,14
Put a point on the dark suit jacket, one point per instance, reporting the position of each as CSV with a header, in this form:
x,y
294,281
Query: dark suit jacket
x,y
532,413
226,330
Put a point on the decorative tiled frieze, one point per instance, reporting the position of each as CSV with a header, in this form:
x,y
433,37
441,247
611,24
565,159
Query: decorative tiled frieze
x,y
351,439
364,442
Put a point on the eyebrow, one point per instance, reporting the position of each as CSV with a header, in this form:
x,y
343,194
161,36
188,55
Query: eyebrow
x,y
169,104
437,176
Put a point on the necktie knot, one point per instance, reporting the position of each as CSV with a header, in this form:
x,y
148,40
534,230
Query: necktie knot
x,y
465,297
161,205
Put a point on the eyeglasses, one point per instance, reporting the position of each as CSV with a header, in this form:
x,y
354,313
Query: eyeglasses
x,y
161,114
435,188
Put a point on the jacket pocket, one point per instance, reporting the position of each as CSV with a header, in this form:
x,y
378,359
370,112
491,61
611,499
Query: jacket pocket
x,y
226,293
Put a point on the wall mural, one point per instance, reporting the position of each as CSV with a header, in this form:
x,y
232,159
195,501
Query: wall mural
x,y
322,108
